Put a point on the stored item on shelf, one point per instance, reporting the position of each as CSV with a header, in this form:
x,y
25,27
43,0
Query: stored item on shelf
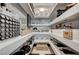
x,y
59,12
9,27
70,5
68,34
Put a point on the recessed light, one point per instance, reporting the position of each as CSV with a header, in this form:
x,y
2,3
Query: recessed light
x,y
42,9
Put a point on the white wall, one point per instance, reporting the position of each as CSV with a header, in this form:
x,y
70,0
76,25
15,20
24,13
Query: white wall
x,y
59,32
40,21
76,35
42,37
23,22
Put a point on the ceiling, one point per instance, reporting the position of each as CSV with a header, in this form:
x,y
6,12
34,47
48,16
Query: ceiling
x,y
43,10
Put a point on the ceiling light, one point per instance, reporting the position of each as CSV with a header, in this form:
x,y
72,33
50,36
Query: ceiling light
x,y
42,9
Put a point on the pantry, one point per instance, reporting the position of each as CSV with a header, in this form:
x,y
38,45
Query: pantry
x,y
39,28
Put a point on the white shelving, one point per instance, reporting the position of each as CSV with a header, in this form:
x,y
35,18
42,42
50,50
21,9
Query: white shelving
x,y
39,24
9,45
71,43
71,13
68,15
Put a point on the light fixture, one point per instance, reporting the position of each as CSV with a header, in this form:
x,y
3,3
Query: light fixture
x,y
42,9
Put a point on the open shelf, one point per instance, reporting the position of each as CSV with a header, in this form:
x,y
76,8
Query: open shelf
x,y
70,43
9,45
71,13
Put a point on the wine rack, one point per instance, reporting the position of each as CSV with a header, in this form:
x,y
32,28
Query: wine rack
x,y
9,27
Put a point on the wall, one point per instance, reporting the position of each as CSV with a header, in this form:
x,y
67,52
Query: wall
x,y
41,29
23,26
42,36
23,22
59,32
40,21
76,35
